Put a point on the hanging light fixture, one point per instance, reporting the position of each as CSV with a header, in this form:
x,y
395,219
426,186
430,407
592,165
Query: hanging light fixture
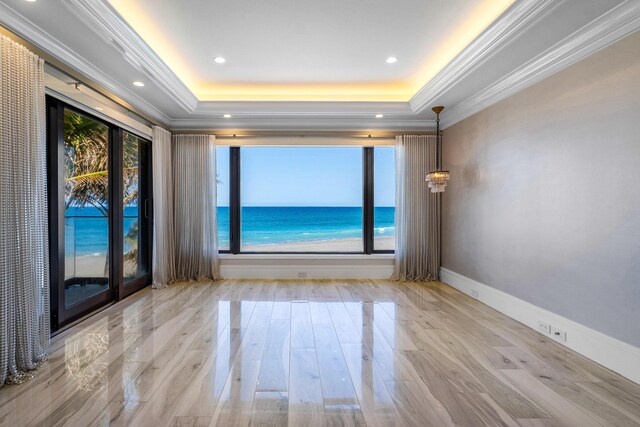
x,y
437,179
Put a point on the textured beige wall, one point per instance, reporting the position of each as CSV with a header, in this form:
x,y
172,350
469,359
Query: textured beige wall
x,y
544,199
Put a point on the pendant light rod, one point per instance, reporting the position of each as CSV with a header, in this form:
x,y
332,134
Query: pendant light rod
x,y
438,110
437,178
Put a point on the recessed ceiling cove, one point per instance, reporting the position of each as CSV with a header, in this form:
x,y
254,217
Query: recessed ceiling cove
x,y
308,50
314,66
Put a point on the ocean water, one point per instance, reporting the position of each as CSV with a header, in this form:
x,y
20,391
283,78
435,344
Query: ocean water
x,y
274,224
86,230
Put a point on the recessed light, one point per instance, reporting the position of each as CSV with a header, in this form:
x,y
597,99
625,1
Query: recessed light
x,y
219,60
392,60
98,109
139,84
31,1
379,116
227,116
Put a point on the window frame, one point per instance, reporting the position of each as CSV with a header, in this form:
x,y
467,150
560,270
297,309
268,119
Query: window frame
x,y
373,207
235,209
60,315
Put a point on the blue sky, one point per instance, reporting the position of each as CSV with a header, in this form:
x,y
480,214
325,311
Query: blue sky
x,y
306,176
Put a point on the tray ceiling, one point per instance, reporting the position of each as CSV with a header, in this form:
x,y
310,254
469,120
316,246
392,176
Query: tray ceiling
x,y
309,66
307,50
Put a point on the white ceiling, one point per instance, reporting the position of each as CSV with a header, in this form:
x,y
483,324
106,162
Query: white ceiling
x,y
529,41
308,49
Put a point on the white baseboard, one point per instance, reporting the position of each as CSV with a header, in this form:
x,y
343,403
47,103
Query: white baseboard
x,y
305,272
306,266
611,353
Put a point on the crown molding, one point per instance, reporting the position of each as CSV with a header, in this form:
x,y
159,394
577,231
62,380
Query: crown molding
x,y
113,29
265,115
297,123
516,19
45,41
620,21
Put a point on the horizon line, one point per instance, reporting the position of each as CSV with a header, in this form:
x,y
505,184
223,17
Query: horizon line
x,y
304,206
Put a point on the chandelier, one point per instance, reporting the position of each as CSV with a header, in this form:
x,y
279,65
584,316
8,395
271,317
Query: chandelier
x,y
437,179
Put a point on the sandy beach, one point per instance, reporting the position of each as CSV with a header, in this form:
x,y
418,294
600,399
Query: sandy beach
x,y
336,245
90,266
94,265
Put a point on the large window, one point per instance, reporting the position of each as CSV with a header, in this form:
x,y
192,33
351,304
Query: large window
x,y
336,199
303,199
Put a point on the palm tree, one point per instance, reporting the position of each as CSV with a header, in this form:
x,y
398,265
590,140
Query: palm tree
x,y
86,161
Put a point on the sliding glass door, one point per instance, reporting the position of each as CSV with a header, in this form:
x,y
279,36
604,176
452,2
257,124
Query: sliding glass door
x,y
99,212
136,213
85,209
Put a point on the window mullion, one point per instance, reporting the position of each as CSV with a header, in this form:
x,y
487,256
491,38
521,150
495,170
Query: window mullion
x,y
234,200
367,199
115,176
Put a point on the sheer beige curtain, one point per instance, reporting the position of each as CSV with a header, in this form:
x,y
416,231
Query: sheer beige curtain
x,y
164,271
417,218
195,217
185,243
24,259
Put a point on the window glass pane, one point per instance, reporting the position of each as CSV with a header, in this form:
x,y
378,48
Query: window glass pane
x,y
133,220
301,199
384,196
86,184
222,172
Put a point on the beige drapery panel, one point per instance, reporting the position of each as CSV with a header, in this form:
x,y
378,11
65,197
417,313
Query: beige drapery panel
x,y
164,271
24,260
185,243
417,217
195,204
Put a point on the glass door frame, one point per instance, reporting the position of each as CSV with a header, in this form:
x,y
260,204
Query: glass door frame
x,y
145,217
61,315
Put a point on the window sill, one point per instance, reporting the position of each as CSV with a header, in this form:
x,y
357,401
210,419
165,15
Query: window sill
x,y
306,257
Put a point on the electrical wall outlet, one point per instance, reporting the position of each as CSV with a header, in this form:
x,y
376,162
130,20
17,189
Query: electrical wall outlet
x,y
558,334
302,274
544,327
474,293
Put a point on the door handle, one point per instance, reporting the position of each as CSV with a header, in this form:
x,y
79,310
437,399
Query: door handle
x,y
146,208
